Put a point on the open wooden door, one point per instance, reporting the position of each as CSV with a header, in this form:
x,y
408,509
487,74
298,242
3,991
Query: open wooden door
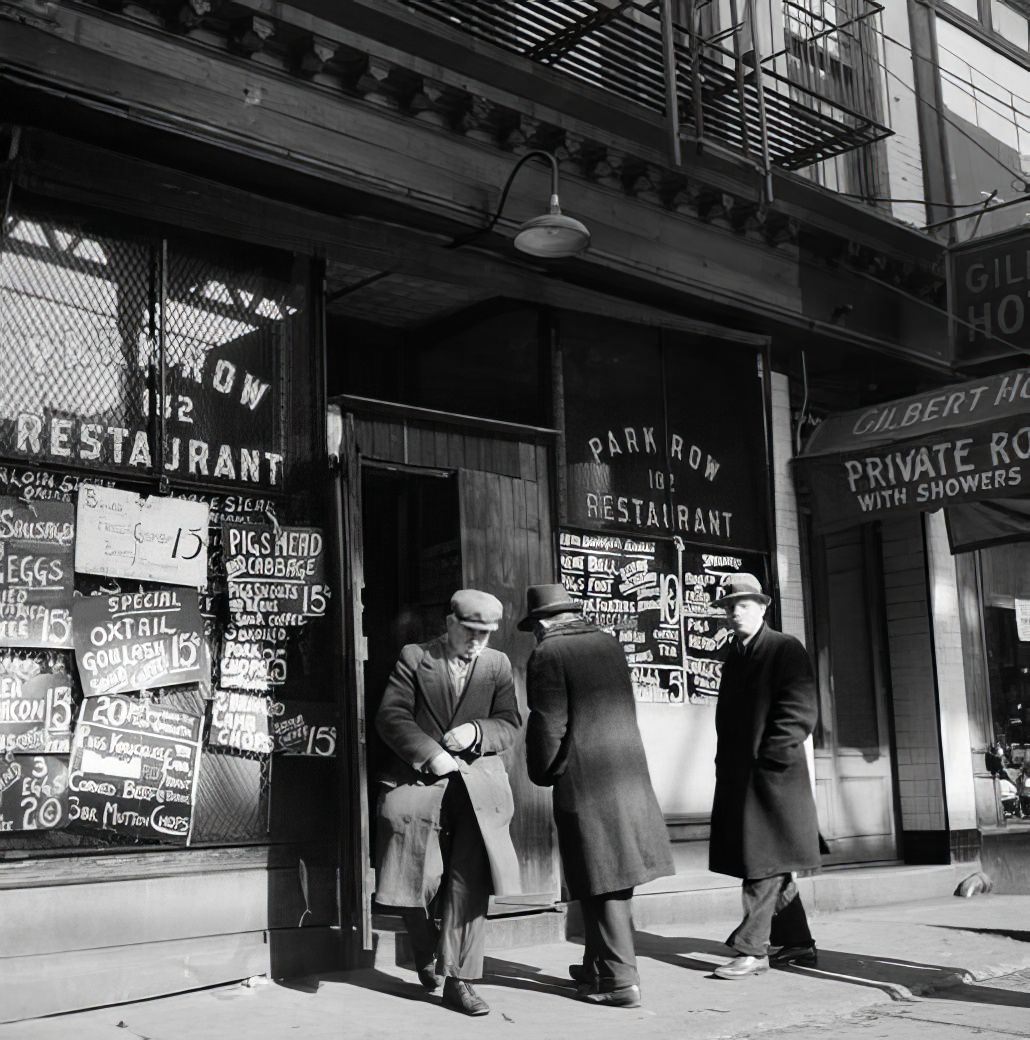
x,y
422,471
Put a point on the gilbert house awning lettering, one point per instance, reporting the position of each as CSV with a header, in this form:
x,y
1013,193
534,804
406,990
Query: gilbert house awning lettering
x,y
962,445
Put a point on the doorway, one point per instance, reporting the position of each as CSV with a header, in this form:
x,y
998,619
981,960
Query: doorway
x,y
853,768
412,565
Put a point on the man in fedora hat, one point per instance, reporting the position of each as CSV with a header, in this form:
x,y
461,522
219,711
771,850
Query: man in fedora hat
x,y
582,739
764,824
443,813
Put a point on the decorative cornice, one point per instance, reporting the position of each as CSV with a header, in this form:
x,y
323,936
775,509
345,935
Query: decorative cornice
x,y
451,108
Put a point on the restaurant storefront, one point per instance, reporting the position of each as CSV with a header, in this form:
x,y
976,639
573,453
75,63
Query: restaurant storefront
x,y
948,471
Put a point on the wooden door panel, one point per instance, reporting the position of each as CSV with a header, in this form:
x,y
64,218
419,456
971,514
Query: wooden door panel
x,y
506,545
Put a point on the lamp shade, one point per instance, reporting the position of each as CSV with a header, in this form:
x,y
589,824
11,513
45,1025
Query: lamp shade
x,y
552,235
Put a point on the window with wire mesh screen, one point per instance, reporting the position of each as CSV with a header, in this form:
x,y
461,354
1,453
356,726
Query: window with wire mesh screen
x,y
95,317
94,323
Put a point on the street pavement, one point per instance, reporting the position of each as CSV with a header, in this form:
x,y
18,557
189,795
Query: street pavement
x,y
942,969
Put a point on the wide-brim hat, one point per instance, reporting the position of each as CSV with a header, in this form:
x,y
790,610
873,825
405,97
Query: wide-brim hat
x,y
477,609
543,601
741,586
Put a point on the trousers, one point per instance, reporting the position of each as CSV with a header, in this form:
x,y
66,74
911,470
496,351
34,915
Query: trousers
x,y
773,915
456,945
608,950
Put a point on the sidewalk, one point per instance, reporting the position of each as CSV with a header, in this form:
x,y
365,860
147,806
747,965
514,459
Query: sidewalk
x,y
868,957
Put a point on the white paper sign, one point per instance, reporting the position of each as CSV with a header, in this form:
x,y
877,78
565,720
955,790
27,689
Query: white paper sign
x,y
1023,620
122,535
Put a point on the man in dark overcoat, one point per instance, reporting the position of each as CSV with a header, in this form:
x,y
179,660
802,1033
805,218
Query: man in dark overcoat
x,y
582,739
764,825
445,804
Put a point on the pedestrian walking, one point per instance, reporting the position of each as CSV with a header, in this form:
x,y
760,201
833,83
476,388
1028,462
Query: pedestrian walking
x,y
764,825
443,842
582,739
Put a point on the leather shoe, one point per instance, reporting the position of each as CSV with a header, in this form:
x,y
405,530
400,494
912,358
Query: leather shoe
x,y
741,967
460,996
806,955
621,996
429,979
581,974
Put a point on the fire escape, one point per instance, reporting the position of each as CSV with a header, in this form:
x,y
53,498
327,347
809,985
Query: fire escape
x,y
806,102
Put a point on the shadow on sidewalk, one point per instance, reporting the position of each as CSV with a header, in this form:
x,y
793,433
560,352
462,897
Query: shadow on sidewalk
x,y
901,980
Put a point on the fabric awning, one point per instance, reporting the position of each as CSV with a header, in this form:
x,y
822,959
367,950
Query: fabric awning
x,y
964,447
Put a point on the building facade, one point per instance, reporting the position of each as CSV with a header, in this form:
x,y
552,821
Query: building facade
x,y
220,219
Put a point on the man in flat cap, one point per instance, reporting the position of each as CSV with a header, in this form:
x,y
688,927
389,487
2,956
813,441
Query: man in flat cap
x,y
582,739
443,844
764,824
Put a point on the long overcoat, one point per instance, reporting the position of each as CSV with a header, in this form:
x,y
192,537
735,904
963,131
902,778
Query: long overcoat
x,y
416,711
763,817
582,738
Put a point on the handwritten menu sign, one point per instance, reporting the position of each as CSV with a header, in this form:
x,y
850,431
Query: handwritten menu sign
x,y
36,573
124,535
140,640
33,793
253,657
241,721
276,574
134,768
305,728
656,598
35,714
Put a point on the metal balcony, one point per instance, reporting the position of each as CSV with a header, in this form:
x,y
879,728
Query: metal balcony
x,y
782,116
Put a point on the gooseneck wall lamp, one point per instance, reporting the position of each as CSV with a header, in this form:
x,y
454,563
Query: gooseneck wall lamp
x,y
552,235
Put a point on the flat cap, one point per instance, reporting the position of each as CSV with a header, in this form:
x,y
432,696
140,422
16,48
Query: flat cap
x,y
476,609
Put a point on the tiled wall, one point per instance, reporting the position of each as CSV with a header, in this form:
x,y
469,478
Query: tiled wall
x,y
952,703
788,549
913,700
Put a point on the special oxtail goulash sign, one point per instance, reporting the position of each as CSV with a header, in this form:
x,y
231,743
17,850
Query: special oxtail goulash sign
x,y
656,598
134,768
36,573
140,640
963,443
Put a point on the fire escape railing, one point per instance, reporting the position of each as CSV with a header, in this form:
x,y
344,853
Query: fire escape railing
x,y
714,90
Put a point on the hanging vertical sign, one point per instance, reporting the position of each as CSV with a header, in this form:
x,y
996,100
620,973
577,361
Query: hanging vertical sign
x,y
134,768
124,535
36,573
140,640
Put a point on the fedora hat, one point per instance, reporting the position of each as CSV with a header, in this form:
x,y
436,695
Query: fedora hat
x,y
543,601
741,586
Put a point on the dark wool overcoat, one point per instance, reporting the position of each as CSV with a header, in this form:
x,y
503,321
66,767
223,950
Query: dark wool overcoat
x,y
763,818
416,711
582,738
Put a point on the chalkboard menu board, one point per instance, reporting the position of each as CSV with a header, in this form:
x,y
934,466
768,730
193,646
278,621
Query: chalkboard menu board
x,y
134,768
33,793
656,597
35,713
305,728
276,574
241,721
140,640
36,573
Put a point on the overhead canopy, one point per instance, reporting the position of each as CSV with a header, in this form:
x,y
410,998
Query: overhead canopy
x,y
965,447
